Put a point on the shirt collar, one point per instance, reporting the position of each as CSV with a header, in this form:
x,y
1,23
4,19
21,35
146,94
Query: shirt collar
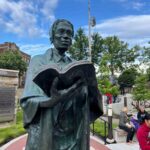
x,y
53,55
57,57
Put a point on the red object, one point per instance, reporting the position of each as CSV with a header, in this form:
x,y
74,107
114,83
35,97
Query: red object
x,y
110,97
143,136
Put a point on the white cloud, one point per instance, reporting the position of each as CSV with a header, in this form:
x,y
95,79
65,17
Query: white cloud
x,y
34,49
138,5
132,4
134,29
48,9
26,17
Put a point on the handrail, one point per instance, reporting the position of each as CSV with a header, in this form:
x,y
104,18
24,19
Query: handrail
x,y
105,128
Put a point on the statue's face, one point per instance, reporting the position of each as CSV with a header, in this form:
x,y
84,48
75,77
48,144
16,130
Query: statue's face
x,y
63,36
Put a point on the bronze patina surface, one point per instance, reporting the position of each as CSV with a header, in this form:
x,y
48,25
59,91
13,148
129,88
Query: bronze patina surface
x,y
59,121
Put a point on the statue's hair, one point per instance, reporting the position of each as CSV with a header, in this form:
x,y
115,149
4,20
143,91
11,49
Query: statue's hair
x,y
53,28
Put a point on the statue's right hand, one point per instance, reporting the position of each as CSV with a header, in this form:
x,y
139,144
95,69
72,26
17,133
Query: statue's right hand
x,y
60,95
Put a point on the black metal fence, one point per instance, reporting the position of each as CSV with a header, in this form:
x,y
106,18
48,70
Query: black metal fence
x,y
104,125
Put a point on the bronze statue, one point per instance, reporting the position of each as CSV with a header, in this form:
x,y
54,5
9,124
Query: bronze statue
x,y
59,121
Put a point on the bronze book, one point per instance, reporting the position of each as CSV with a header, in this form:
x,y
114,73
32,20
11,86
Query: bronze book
x,y
67,75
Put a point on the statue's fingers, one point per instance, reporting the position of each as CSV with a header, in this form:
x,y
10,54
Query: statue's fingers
x,y
54,85
75,86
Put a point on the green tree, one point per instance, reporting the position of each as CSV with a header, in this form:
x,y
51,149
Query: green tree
x,y
118,54
128,77
12,60
146,54
80,46
78,50
104,69
97,48
148,73
141,90
105,86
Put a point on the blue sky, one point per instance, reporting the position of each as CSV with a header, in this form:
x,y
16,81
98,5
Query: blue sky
x,y
27,22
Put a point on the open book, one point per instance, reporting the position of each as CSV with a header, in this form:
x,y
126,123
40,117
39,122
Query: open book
x,y
67,75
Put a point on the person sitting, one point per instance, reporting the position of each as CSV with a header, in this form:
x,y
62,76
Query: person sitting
x,y
124,125
141,114
143,134
134,122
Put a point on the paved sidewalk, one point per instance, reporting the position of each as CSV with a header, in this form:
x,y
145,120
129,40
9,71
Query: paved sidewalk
x,y
124,146
19,144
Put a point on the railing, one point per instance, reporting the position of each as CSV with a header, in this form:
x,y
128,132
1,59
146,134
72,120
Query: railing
x,y
105,122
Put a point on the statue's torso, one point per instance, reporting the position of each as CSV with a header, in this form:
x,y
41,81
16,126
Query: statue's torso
x,y
69,124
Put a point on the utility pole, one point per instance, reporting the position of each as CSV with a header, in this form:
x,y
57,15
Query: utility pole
x,y
92,23
89,21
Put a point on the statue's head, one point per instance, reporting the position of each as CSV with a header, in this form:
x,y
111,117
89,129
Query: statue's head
x,y
61,34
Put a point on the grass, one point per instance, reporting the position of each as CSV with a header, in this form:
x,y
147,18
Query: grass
x,y
15,130
99,128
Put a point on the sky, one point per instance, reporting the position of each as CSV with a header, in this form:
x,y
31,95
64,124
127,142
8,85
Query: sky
x,y
27,22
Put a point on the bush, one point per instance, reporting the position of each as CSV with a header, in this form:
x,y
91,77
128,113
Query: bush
x,y
15,130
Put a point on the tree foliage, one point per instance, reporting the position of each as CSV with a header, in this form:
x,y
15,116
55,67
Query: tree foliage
x,y
148,73
80,46
128,77
146,54
110,53
78,50
12,60
105,86
118,53
97,48
141,90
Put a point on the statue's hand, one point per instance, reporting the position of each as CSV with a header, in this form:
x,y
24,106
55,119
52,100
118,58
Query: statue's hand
x,y
60,95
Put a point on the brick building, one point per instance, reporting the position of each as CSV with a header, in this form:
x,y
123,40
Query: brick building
x,y
9,46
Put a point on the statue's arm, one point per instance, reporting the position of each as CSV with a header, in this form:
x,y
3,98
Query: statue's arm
x,y
32,94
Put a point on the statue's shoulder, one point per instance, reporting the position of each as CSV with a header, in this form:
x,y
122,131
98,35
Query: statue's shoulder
x,y
36,59
42,57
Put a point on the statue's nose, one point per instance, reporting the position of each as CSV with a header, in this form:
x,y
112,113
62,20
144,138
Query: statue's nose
x,y
65,35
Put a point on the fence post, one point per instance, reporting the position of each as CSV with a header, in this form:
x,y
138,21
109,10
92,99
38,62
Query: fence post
x,y
93,128
125,101
110,139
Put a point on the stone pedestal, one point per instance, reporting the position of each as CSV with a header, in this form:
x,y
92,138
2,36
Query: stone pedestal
x,y
8,86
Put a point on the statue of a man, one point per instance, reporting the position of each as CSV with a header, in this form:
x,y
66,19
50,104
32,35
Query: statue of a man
x,y
61,121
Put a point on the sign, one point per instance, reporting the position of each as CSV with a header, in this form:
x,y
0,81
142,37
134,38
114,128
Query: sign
x,y
7,104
